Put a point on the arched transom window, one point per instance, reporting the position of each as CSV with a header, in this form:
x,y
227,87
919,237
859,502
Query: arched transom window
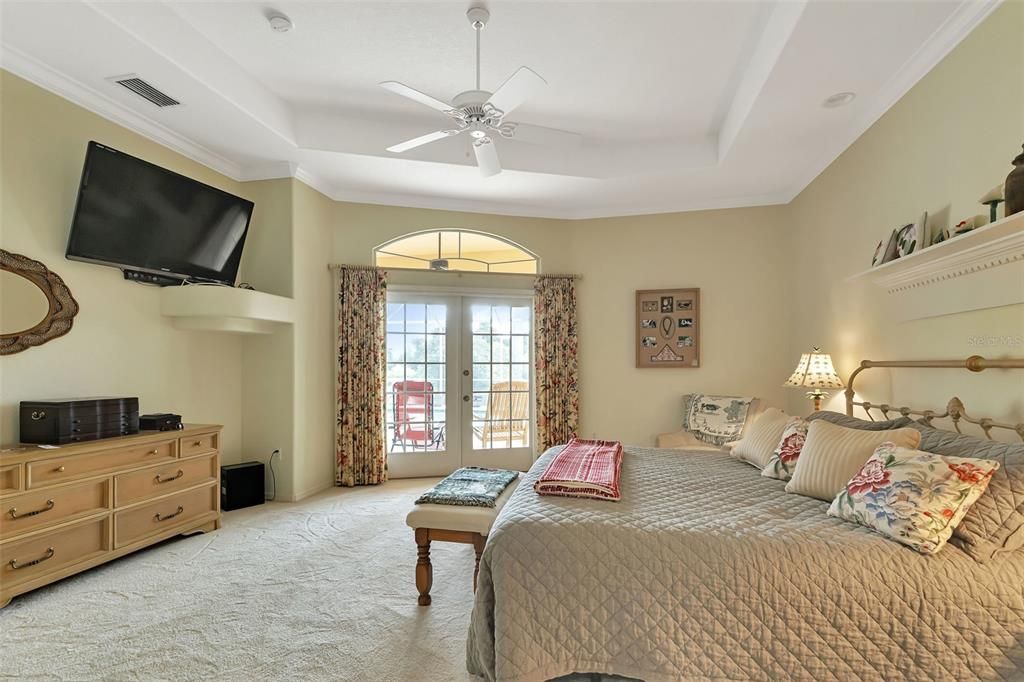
x,y
461,250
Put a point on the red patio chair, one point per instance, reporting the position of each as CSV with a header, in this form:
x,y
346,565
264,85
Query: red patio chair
x,y
414,414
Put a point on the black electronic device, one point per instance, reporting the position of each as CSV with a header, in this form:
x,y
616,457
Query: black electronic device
x,y
160,422
241,485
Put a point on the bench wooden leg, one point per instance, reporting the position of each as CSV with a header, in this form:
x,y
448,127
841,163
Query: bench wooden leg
x,y
478,547
424,570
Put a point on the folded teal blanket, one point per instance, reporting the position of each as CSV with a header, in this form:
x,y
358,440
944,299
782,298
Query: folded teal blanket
x,y
470,487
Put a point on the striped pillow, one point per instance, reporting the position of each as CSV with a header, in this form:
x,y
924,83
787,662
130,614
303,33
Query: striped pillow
x,y
761,438
832,455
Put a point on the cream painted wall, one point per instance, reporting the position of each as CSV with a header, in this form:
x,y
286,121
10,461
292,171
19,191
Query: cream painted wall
x,y
733,256
313,235
730,254
120,344
268,364
947,142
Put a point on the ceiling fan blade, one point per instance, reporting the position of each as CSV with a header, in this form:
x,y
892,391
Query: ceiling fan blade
x,y
421,140
486,157
516,90
548,137
416,96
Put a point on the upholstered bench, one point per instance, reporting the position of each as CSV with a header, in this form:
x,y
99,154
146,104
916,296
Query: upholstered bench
x,y
451,523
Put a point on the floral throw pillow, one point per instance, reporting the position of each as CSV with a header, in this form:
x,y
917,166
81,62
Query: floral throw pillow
x,y
913,497
783,461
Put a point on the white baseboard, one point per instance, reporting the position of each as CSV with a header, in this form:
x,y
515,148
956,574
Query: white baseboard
x,y
319,488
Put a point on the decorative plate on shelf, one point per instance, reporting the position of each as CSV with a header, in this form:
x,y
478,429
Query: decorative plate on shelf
x,y
913,237
906,241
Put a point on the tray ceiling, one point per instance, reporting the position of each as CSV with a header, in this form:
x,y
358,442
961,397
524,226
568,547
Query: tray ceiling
x,y
678,105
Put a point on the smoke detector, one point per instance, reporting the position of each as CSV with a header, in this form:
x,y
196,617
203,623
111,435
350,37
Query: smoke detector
x,y
279,23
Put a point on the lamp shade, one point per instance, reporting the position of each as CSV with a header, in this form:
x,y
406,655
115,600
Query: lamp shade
x,y
815,370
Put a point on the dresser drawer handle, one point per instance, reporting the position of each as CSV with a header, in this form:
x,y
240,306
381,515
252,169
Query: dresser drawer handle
x,y
13,511
197,443
153,452
169,516
160,479
59,470
49,555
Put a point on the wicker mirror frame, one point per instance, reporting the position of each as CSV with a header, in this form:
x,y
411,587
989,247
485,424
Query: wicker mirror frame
x,y
62,305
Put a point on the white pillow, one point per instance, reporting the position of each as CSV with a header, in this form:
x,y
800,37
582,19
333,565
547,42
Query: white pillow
x,y
761,437
832,455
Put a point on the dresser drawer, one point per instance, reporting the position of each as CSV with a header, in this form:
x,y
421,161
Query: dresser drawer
x,y
165,514
57,469
10,479
48,507
197,445
166,478
24,560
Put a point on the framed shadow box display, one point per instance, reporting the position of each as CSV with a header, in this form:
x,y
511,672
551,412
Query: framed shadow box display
x,y
668,328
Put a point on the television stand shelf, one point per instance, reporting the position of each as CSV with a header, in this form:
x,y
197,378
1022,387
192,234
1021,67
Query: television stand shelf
x,y
225,309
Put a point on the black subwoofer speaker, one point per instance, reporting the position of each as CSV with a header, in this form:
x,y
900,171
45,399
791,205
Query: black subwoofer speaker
x,y
241,485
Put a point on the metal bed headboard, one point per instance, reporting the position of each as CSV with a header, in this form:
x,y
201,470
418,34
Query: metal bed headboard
x,y
954,409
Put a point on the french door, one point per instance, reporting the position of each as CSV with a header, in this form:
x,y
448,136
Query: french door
x,y
459,386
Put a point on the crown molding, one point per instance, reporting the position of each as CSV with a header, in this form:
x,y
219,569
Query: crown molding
x,y
529,211
35,71
964,19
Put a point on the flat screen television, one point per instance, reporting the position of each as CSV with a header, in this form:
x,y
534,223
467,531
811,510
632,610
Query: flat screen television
x,y
134,215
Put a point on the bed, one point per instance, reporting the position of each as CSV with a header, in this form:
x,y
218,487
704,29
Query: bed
x,y
707,570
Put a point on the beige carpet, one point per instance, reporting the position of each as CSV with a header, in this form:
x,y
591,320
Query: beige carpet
x,y
318,590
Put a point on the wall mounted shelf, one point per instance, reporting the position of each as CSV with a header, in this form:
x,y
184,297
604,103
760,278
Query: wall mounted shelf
x,y
225,309
926,283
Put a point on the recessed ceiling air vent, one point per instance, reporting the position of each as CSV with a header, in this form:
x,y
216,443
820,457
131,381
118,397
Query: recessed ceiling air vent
x,y
144,90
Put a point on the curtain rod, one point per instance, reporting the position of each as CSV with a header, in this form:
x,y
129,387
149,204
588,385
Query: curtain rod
x,y
345,266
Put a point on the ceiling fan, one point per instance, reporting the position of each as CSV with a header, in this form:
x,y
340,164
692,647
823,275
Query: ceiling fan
x,y
480,112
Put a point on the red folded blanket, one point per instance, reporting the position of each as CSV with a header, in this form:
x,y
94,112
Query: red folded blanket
x,y
584,468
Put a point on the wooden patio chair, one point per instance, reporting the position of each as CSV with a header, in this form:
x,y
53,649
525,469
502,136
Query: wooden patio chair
x,y
507,417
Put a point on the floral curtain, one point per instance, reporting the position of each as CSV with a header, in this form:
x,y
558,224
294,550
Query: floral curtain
x,y
555,354
359,305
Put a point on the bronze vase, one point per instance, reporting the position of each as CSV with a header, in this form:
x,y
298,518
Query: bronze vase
x,y
1014,189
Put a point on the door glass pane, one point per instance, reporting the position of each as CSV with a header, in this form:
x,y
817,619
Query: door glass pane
x,y
480,319
520,319
501,376
415,317
481,377
437,319
481,348
415,348
414,395
501,345
521,373
501,319
520,349
435,348
396,317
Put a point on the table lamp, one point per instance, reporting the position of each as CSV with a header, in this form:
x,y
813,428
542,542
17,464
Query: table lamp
x,y
815,371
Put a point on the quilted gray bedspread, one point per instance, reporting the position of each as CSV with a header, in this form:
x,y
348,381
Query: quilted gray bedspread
x,y
707,571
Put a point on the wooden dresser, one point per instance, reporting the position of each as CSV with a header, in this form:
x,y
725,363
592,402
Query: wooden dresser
x,y
66,509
